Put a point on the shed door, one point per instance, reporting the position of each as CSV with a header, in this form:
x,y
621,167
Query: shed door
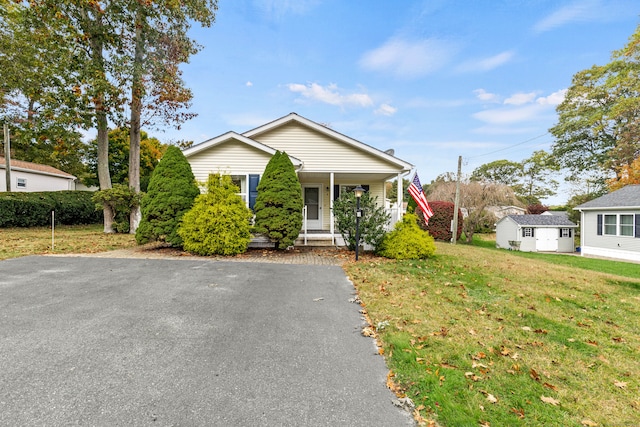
x,y
547,239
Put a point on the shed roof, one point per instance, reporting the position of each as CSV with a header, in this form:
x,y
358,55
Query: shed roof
x,y
35,168
541,220
626,197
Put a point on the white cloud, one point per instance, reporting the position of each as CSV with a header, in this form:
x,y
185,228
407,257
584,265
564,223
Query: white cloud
x,y
555,98
248,84
578,11
510,115
386,110
408,58
485,96
331,94
520,98
486,64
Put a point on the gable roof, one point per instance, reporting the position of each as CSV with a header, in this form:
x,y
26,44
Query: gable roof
x,y
229,136
293,117
626,197
20,165
541,220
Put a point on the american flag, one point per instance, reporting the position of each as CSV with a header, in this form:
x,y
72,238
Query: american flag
x,y
415,189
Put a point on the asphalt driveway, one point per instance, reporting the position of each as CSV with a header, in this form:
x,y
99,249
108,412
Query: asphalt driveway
x,y
105,342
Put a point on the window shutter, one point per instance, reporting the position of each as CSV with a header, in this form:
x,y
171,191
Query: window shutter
x,y
560,230
533,232
637,233
570,232
599,224
523,232
336,192
253,189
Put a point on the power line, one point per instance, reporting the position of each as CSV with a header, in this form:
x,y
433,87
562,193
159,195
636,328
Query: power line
x,y
510,147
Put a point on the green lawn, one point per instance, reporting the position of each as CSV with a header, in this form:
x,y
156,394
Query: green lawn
x,y
477,336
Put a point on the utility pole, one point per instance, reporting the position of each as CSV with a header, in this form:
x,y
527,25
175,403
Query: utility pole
x,y
456,204
7,157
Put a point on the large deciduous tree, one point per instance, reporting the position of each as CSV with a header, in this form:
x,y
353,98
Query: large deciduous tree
x,y
599,119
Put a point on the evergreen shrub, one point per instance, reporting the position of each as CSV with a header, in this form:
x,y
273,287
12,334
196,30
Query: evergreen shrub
x,y
372,222
407,241
121,199
18,209
171,192
439,226
219,221
278,206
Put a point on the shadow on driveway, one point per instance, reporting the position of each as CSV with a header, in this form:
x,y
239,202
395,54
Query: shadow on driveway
x,y
101,341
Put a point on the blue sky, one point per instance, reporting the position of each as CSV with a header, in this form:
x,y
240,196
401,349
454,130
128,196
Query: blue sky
x,y
431,79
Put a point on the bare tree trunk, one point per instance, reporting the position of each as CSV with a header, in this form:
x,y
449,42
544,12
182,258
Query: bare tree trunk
x,y
137,92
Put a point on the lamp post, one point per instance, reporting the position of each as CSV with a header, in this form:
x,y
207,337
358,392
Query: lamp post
x,y
358,191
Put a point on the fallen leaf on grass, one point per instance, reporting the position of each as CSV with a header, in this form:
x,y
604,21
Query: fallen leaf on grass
x,y
592,343
551,386
491,398
588,423
534,375
518,412
620,384
550,400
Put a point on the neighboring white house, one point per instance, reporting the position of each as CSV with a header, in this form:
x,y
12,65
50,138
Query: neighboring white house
x,y
30,177
502,211
327,162
610,225
535,233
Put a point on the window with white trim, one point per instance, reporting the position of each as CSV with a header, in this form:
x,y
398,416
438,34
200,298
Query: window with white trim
x,y
565,232
611,225
626,225
527,232
21,182
240,181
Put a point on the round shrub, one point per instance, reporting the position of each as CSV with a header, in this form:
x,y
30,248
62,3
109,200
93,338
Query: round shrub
x,y
408,241
219,221
439,226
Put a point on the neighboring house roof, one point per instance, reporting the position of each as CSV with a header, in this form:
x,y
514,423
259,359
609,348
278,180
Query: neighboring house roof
x,y
19,165
626,197
293,117
541,221
226,137
564,214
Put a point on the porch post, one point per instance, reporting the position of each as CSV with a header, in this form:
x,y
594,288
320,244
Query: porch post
x,y
331,220
400,197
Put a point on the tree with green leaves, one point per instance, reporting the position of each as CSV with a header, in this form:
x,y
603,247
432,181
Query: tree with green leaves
x,y
504,172
219,222
151,151
278,206
538,172
598,125
172,190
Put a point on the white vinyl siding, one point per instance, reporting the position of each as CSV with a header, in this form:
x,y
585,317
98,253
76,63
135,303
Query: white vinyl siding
x,y
612,246
321,153
228,158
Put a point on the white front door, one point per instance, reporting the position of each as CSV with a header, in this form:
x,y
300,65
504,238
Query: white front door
x,y
312,196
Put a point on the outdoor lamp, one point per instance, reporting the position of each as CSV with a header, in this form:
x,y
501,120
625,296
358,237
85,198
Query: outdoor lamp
x,y
359,191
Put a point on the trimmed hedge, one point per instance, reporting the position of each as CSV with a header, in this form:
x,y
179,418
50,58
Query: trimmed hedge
x,y
34,209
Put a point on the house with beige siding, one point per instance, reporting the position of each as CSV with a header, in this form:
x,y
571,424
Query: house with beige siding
x,y
327,162
610,225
